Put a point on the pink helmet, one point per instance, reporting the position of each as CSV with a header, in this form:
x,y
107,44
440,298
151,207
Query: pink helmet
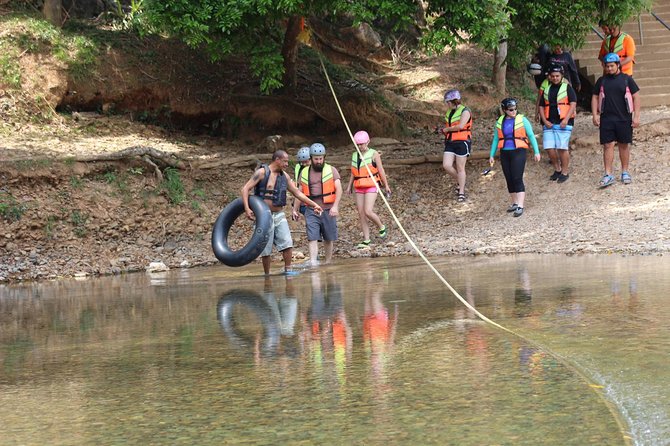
x,y
361,137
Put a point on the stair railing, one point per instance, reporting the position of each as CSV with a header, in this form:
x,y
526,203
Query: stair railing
x,y
653,14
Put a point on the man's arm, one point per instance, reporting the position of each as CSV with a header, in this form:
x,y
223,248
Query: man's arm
x,y
302,197
248,187
594,110
335,210
637,105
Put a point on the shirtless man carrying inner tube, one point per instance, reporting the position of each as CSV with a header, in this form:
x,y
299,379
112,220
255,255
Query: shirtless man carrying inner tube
x,y
271,183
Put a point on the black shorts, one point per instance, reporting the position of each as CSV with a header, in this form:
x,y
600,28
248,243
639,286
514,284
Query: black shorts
x,y
616,131
458,148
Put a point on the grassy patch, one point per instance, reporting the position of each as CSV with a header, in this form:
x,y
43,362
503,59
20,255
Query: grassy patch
x,y
79,220
173,186
10,208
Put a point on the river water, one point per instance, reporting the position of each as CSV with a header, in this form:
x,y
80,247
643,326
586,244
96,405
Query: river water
x,y
362,352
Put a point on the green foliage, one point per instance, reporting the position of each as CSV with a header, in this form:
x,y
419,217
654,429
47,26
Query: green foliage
x,y
10,71
35,35
256,27
79,220
525,24
50,227
173,186
76,182
10,208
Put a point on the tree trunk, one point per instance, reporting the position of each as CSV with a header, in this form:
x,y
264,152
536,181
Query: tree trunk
x,y
53,12
500,66
289,52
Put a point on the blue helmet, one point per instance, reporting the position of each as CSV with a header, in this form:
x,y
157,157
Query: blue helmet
x,y
611,58
317,149
303,154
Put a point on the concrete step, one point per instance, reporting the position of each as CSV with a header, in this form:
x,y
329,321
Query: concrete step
x,y
645,82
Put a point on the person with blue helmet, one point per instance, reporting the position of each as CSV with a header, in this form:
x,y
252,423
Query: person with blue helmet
x,y
303,160
615,105
321,182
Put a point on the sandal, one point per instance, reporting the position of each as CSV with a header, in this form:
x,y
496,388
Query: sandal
x,y
383,231
512,207
363,244
625,178
461,198
554,176
605,181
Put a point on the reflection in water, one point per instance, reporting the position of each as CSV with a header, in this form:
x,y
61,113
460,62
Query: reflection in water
x,y
324,357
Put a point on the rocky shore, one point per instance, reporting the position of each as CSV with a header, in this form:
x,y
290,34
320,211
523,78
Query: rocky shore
x,y
89,219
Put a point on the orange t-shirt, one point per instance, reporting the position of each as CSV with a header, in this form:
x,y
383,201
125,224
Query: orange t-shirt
x,y
628,50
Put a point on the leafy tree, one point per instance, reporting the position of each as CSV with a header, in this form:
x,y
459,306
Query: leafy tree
x,y
522,23
265,30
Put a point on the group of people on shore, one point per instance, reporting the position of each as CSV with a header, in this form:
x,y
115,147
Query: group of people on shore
x,y
317,187
615,106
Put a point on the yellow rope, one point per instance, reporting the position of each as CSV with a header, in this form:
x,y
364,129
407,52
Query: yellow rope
x,y
593,386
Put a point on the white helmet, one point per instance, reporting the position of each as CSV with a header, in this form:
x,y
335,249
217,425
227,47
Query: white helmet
x,y
317,149
535,69
303,154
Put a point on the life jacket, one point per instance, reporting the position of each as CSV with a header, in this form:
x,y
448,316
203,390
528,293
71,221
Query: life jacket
x,y
520,138
362,179
327,184
618,43
562,101
278,194
298,170
628,96
452,118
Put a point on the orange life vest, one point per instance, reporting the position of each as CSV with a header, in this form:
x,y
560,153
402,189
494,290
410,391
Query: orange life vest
x,y
454,117
362,179
562,101
327,184
520,137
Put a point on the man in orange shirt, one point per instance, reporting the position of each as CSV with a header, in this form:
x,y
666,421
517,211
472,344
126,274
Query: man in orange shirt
x,y
618,42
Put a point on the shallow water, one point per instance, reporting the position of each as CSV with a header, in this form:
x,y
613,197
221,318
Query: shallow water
x,y
363,352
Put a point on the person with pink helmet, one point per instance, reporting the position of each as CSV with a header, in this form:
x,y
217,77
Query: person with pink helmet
x,y
367,176
457,140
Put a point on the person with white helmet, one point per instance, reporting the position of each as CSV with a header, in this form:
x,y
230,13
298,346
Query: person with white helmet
x,y
615,105
366,183
303,160
457,140
320,182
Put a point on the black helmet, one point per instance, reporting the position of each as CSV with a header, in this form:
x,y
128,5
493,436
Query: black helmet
x,y
507,103
555,68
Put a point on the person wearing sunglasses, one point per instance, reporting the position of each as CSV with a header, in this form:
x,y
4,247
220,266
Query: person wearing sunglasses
x,y
512,136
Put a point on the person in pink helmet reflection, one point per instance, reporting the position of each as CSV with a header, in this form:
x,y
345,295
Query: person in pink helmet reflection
x,y
457,140
367,177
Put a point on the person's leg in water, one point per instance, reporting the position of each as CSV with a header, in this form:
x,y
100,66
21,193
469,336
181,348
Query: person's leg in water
x,y
327,251
267,260
287,255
